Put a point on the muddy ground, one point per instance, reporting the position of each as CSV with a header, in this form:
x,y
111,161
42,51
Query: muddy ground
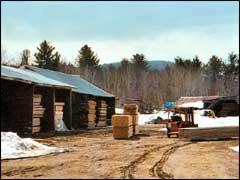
x,y
95,154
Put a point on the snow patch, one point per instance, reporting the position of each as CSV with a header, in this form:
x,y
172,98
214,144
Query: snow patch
x,y
143,118
163,129
118,111
202,121
235,148
12,146
205,121
61,126
197,104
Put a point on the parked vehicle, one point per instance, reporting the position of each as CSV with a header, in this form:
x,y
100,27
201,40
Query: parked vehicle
x,y
177,121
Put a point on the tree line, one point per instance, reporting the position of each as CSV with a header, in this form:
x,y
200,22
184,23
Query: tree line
x,y
134,81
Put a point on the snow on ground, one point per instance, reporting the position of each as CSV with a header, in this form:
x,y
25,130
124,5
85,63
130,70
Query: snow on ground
x,y
197,104
143,118
204,121
118,111
61,126
235,148
12,146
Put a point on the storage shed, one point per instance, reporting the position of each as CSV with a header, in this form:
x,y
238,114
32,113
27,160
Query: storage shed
x,y
91,106
28,100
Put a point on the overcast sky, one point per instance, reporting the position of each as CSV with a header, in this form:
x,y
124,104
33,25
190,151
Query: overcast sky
x,y
116,30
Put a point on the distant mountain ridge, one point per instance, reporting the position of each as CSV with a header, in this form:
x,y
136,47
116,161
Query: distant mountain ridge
x,y
153,64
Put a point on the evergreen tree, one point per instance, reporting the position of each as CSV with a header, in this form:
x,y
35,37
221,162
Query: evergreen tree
x,y
25,57
215,66
232,65
179,61
87,58
196,63
45,58
124,64
139,62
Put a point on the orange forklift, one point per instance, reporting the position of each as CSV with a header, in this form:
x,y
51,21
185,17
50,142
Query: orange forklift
x,y
177,121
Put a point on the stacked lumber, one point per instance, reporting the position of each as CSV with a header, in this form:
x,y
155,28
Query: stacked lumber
x,y
86,113
110,110
102,114
229,109
132,110
58,117
91,116
135,124
38,113
122,126
211,133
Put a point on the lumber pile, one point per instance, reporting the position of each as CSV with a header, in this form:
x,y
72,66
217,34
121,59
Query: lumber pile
x,y
135,124
229,109
85,114
122,126
38,113
91,114
211,133
58,117
102,114
110,110
132,110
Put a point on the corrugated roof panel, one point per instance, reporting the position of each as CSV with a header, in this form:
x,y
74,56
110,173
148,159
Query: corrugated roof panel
x,y
183,100
82,86
30,76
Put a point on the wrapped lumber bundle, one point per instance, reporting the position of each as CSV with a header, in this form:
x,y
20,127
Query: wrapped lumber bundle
x,y
122,126
38,113
58,117
135,124
91,114
102,114
130,109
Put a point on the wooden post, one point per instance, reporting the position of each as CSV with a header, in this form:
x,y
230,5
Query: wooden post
x,y
70,109
53,109
192,113
31,107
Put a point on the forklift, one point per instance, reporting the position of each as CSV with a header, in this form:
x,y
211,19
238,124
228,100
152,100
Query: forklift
x,y
177,122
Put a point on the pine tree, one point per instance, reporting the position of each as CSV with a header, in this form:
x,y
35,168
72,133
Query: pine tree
x,y
139,62
215,66
56,61
124,64
179,61
25,57
46,58
87,58
196,63
232,66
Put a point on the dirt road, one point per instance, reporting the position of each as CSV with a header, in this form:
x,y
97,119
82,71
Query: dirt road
x,y
150,155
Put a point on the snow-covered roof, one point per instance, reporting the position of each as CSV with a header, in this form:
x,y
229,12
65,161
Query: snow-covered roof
x,y
184,100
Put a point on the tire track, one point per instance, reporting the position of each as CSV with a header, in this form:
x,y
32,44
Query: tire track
x,y
157,169
131,168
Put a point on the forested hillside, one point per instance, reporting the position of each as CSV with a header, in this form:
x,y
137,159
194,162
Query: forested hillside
x,y
134,79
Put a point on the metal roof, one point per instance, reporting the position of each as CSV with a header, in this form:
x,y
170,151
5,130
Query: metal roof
x,y
27,76
82,86
184,100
